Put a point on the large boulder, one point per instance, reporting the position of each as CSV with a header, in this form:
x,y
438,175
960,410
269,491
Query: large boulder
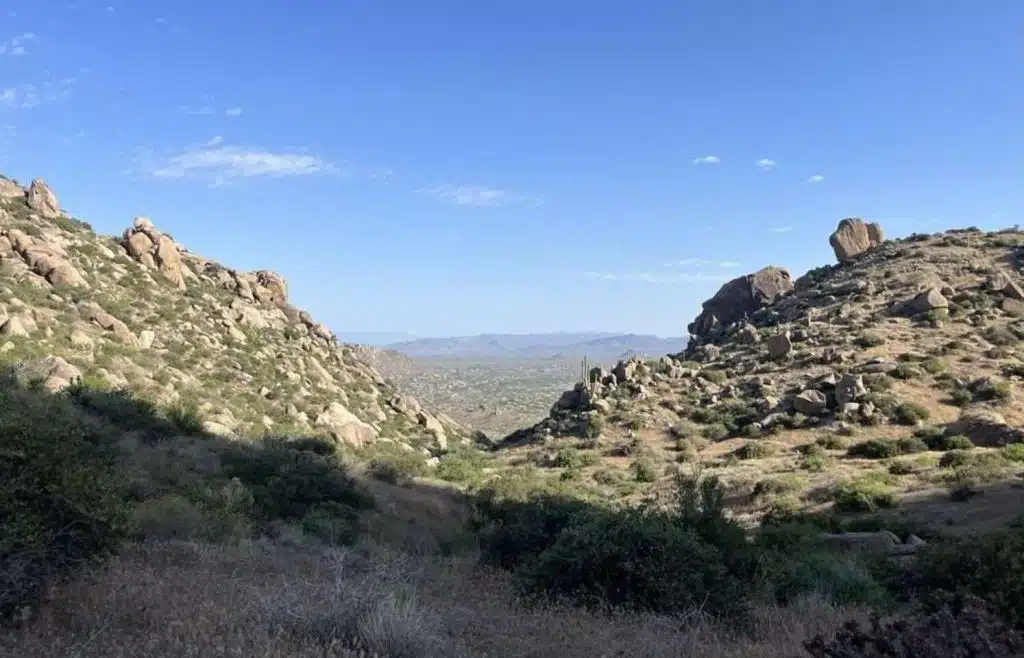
x,y
741,297
985,428
345,426
854,236
41,199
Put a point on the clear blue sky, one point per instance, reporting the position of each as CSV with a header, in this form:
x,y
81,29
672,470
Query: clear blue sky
x,y
455,167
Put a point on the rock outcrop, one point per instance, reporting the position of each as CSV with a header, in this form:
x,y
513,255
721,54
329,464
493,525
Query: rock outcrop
x,y
143,312
739,298
853,237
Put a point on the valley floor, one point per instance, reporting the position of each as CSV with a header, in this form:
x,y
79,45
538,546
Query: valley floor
x,y
164,599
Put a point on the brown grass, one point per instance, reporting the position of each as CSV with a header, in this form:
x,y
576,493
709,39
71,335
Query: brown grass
x,y
261,600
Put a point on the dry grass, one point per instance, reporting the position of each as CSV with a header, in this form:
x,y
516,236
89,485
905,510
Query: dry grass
x,y
262,600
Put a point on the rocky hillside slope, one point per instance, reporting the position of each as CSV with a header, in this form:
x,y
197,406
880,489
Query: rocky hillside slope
x,y
141,311
894,371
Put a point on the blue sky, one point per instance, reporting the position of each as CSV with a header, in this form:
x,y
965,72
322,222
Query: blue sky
x,y
455,167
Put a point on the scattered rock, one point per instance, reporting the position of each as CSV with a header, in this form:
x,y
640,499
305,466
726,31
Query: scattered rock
x,y
811,402
345,426
779,345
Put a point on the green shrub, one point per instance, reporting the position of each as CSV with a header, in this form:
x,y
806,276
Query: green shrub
x,y
911,413
911,445
756,450
398,467
874,449
644,470
905,371
961,397
831,442
990,566
1014,452
934,366
715,432
943,442
954,459
865,494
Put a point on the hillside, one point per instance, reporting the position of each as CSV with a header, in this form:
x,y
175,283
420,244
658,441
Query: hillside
x,y
192,466
892,374
597,346
183,331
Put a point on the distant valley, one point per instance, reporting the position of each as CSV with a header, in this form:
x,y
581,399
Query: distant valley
x,y
596,346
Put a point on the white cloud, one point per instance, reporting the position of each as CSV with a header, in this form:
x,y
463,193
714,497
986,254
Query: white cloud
x,y
766,164
196,111
27,96
707,159
728,263
233,112
782,229
220,164
649,277
816,178
478,195
16,45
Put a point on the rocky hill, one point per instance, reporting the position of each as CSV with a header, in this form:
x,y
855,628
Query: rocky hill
x,y
892,372
143,312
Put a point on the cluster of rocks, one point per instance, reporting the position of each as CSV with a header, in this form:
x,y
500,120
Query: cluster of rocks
x,y
315,381
38,196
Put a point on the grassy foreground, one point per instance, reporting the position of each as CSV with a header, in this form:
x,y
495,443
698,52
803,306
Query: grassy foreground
x,y
127,532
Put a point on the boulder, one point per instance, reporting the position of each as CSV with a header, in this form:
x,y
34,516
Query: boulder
x,y
853,237
985,428
345,426
741,297
811,402
41,199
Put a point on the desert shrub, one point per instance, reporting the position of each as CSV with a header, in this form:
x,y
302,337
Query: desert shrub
x,y
874,449
715,376
933,365
756,450
815,458
910,413
989,566
905,371
948,625
644,470
878,382
781,485
865,494
901,467
1014,452
1000,336
591,426
955,459
831,442
911,445
943,442
186,419
715,432
397,467
60,503
961,397
640,558
869,339
460,466
288,484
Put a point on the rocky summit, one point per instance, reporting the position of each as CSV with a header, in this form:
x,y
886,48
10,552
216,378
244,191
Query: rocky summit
x,y
140,311
892,372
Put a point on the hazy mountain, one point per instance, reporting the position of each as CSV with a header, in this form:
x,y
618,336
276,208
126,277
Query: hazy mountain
x,y
597,346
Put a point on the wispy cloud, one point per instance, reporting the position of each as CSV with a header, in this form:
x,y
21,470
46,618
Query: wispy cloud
x,y
16,46
478,195
782,229
707,159
219,164
816,178
27,96
766,164
196,111
233,112
691,262
650,277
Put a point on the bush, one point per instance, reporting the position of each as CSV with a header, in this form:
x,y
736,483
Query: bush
x,y
866,494
990,567
715,432
639,558
874,449
1014,452
911,445
954,459
644,470
911,413
399,467
756,450
869,339
961,626
905,371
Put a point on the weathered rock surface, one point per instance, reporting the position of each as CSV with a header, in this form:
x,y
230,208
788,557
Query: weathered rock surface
x,y
853,237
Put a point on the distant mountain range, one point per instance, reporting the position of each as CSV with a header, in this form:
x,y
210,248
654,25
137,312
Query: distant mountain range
x,y
596,346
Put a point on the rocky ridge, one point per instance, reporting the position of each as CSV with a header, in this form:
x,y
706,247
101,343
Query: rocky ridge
x,y
904,348
141,311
